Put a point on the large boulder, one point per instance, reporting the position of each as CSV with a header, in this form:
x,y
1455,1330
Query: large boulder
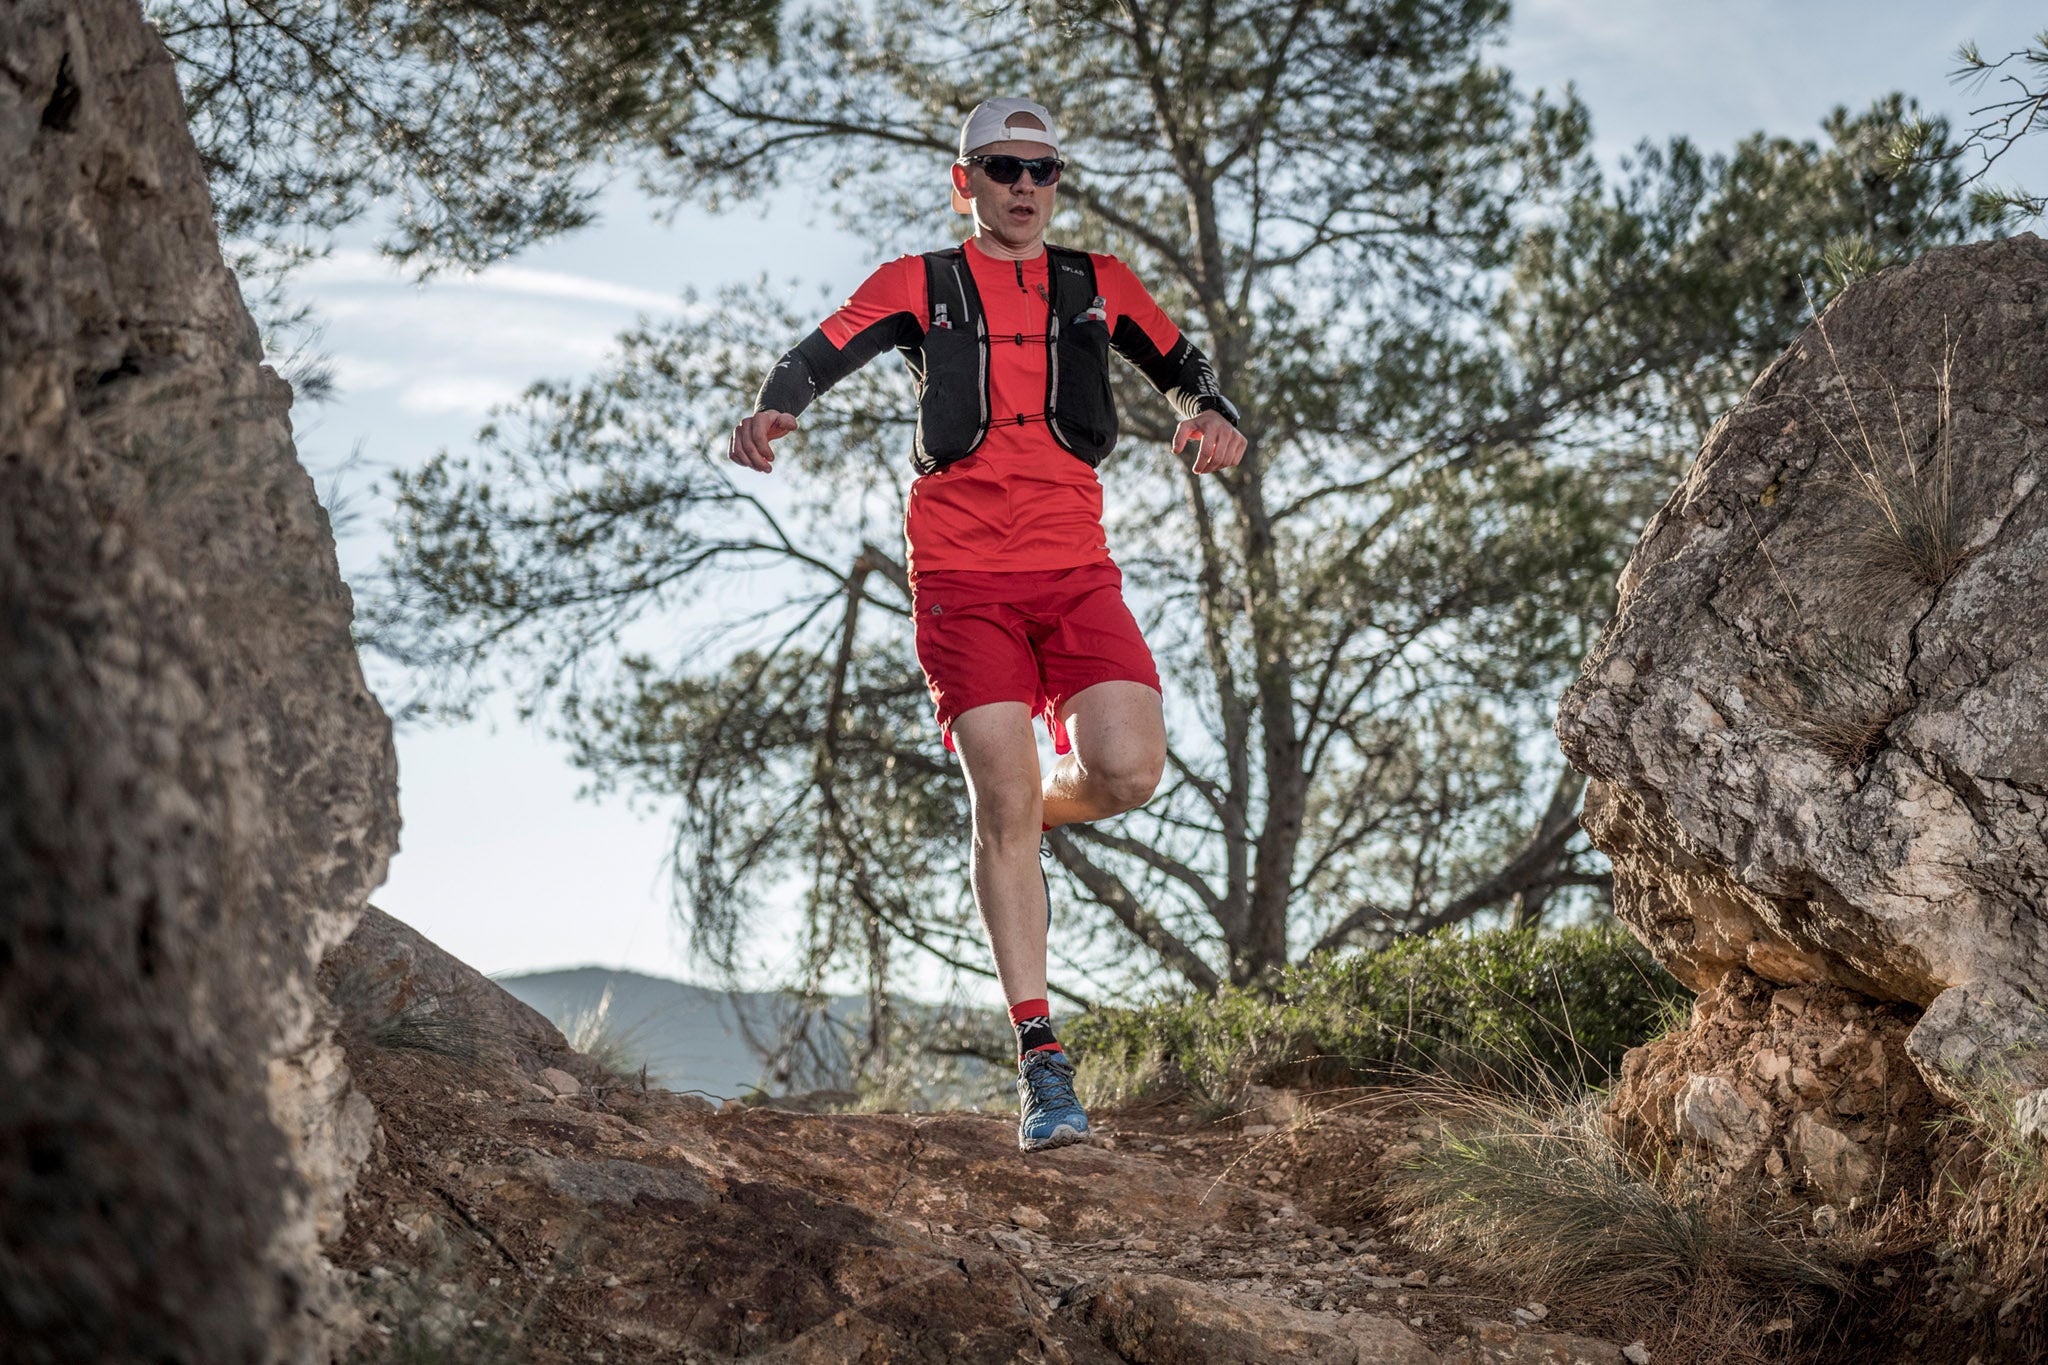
x,y
1813,728
197,790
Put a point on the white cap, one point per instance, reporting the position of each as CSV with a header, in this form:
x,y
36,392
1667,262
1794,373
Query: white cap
x,y
990,122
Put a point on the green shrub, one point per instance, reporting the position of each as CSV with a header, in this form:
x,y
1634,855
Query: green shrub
x,y
1501,1007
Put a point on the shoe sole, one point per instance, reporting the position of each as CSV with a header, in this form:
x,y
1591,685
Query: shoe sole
x,y
1063,1136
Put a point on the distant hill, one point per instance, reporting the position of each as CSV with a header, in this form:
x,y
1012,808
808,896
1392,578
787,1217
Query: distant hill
x,y
694,1037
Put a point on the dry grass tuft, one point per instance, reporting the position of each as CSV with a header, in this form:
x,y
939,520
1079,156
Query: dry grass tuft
x,y
1537,1194
372,1015
596,1033
1995,1227
1838,698
1915,530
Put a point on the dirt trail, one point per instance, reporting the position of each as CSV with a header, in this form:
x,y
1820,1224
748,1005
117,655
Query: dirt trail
x,y
619,1225
523,1204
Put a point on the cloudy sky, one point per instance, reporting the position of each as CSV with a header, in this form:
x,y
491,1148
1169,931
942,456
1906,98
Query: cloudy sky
x,y
501,862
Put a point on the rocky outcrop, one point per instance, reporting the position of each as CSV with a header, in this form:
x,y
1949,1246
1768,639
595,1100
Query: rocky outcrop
x,y
391,985
196,788
1813,729
1804,1091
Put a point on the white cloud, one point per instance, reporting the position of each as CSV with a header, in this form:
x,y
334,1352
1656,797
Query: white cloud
x,y
355,266
471,395
355,373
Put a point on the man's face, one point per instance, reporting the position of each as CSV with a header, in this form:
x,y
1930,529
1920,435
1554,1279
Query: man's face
x,y
1015,215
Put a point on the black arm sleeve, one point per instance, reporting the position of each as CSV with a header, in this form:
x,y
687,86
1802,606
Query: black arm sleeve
x,y
1183,375
814,364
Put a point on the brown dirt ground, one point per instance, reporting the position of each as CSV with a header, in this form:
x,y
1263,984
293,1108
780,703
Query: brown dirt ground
x,y
626,1225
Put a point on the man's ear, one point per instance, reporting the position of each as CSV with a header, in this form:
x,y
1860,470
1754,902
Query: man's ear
x,y
961,203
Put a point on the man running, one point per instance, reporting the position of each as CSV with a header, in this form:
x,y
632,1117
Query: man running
x,y
1019,609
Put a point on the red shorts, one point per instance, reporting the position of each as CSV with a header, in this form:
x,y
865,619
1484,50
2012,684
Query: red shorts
x,y
1037,637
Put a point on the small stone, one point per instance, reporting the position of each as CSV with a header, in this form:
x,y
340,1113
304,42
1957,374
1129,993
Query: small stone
x,y
2030,1117
1417,1278
1826,1219
560,1081
1778,1325
1011,1242
1636,1353
612,1282
1257,1130
1024,1216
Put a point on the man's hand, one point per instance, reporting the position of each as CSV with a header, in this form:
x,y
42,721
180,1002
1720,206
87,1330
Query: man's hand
x,y
751,437
1222,445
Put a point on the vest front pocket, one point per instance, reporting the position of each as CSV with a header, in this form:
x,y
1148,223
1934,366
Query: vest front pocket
x,y
952,400
1086,409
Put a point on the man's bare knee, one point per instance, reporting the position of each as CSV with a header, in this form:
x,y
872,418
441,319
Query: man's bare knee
x,y
1127,786
1003,822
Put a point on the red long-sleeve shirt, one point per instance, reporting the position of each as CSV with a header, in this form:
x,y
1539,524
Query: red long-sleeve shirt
x,y
1020,501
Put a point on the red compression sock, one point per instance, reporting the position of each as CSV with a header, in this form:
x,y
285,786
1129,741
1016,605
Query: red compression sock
x,y
1033,1021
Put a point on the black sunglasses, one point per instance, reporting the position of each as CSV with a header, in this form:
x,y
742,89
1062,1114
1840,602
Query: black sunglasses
x,y
1004,170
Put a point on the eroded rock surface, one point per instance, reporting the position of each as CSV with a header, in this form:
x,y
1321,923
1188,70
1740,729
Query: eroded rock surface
x,y
1813,728
1806,1091
196,788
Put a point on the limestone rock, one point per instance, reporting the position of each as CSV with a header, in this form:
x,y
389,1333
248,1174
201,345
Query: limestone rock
x,y
1160,1320
1814,740
1723,1116
2030,1117
1808,1091
1981,1036
612,1181
389,975
197,790
1835,1164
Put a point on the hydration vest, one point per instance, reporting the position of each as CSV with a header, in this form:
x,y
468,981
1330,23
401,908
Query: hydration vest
x,y
950,363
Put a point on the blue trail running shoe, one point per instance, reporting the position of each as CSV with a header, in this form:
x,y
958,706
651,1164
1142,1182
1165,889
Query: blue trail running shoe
x,y
1052,1116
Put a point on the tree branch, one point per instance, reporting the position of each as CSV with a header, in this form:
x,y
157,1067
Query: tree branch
x,y
1109,890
